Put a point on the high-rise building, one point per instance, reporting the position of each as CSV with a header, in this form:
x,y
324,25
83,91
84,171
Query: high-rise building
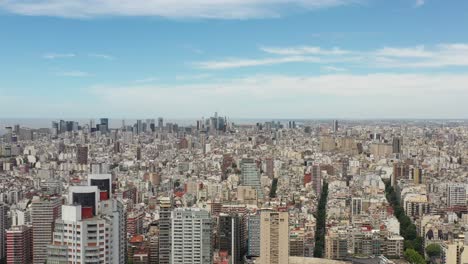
x,y
104,125
274,237
139,127
191,236
396,144
160,124
19,244
251,175
270,167
456,194
3,226
82,155
44,212
335,126
317,179
231,236
253,247
165,205
80,238
86,196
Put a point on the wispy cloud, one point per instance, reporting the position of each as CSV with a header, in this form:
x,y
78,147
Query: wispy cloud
x,y
74,74
238,63
101,56
332,69
219,9
419,3
51,56
435,56
147,80
304,50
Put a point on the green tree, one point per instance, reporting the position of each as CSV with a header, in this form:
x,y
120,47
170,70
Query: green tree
x,y
413,257
433,250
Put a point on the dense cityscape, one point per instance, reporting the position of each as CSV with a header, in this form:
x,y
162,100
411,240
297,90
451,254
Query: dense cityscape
x,y
218,191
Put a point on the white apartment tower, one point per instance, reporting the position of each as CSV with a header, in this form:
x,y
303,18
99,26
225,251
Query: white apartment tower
x,y
191,236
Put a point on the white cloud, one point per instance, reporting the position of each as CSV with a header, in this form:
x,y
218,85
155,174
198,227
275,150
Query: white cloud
x,y
101,56
419,3
332,69
217,9
52,56
74,74
436,56
367,95
238,63
304,50
411,52
147,80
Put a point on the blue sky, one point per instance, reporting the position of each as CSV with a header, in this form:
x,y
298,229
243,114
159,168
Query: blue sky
x,y
242,58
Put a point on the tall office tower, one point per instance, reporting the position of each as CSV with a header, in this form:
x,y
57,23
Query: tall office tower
x,y
82,155
104,126
139,126
270,167
160,124
335,126
165,210
231,236
274,237
80,237
251,175
317,179
44,212
456,194
152,125
19,244
55,128
396,145
3,226
191,236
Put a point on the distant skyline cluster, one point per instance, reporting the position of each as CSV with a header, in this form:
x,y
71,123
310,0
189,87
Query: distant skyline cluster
x,y
262,59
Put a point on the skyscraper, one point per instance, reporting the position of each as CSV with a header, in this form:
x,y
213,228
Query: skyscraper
x,y
251,175
44,212
104,125
335,126
191,236
160,124
396,145
317,179
274,237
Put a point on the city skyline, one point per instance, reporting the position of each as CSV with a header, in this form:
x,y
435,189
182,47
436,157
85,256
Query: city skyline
x,y
263,59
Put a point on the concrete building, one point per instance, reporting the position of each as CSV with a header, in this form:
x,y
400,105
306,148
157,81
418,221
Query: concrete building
x,y
274,237
44,212
191,236
251,175
19,244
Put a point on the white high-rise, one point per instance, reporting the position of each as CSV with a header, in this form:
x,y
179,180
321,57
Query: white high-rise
x,y
456,194
191,236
